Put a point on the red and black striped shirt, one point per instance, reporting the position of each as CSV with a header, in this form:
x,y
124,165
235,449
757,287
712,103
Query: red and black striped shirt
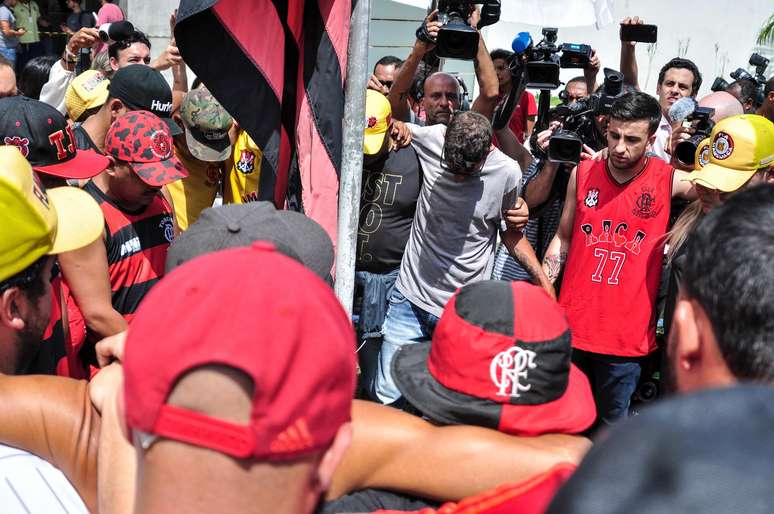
x,y
137,244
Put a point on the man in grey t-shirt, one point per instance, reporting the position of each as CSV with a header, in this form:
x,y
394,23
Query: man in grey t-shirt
x,y
468,185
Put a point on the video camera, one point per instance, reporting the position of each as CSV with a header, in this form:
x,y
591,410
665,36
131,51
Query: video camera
x,y
701,120
760,63
578,122
545,59
456,38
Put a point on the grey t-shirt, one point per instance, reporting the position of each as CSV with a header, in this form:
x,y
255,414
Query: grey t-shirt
x,y
7,15
455,228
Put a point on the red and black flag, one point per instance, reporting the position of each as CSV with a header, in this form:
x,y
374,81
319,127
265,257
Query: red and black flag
x,y
278,67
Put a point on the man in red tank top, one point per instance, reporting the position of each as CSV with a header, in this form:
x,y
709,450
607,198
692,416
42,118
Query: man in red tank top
x,y
610,244
109,278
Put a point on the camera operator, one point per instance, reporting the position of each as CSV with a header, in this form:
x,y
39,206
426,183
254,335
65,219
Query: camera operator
x,y
384,74
524,114
767,108
724,105
746,91
677,78
442,93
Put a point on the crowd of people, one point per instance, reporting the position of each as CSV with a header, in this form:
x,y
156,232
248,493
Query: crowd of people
x,y
529,334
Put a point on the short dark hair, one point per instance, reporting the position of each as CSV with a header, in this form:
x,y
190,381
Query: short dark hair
x,y
748,90
467,142
30,280
685,64
637,106
388,60
579,78
135,37
728,272
500,53
35,74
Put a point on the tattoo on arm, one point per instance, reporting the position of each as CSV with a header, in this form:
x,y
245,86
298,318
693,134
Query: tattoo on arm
x,y
554,265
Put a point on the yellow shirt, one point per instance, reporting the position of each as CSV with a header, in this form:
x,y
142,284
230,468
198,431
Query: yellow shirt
x,y
241,184
191,195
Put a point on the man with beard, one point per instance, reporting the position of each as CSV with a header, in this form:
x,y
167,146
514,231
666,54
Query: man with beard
x,y
611,238
110,277
37,225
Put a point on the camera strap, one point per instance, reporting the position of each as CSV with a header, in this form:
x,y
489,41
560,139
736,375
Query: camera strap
x,y
424,35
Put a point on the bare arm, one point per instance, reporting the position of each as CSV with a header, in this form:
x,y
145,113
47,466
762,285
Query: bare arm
x,y
681,188
396,451
52,418
556,255
591,71
511,147
539,188
86,272
629,56
8,31
520,249
488,85
401,86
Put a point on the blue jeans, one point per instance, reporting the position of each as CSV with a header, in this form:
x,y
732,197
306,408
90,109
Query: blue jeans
x,y
405,324
613,381
10,54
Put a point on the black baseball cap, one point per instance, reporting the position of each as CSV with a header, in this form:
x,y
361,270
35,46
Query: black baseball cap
x,y
142,88
709,452
44,138
228,226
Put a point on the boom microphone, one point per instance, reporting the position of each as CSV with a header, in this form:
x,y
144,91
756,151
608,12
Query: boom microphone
x,y
116,31
681,109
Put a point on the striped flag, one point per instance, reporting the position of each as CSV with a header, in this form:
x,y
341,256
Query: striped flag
x,y
278,67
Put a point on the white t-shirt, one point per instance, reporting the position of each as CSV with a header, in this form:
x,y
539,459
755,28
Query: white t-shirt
x,y
455,228
660,145
30,485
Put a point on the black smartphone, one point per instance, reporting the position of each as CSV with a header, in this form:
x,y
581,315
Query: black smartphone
x,y
639,33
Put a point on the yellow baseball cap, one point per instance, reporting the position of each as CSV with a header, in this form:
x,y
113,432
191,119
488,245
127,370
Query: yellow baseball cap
x,y
702,154
38,222
86,91
378,118
740,146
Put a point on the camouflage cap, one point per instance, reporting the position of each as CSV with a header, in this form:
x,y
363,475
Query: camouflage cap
x,y
206,123
142,139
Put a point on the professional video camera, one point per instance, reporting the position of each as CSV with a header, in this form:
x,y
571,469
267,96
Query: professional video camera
x,y
701,121
456,38
578,124
545,59
760,63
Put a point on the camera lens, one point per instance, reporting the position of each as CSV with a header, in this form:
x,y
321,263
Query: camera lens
x,y
685,151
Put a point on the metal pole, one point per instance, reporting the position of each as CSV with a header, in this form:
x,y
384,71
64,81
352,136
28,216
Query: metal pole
x,y
352,153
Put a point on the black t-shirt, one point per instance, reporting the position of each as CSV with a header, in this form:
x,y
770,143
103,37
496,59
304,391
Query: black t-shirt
x,y
82,139
391,186
76,21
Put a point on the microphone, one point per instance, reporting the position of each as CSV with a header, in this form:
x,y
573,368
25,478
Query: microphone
x,y
521,42
116,31
681,109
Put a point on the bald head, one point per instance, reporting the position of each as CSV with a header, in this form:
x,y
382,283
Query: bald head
x,y
725,105
7,80
441,99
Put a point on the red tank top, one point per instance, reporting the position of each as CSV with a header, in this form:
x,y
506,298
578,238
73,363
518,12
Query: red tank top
x,y
613,267
137,246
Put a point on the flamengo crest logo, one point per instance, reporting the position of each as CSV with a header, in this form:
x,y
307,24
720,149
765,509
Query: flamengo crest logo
x,y
592,198
22,143
509,368
722,146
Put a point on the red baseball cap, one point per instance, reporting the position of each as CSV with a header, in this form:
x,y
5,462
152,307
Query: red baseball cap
x,y
280,324
499,358
143,140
